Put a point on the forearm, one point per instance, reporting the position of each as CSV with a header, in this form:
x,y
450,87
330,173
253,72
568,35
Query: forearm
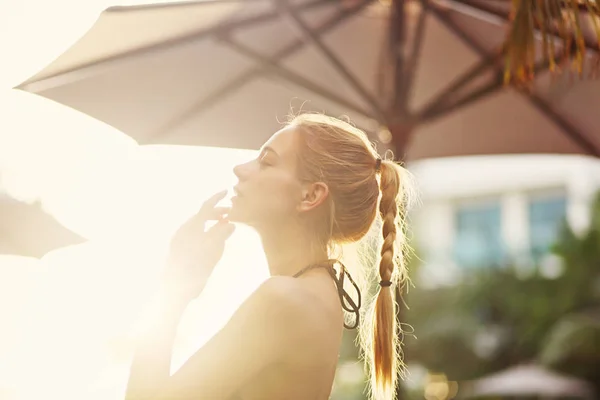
x,y
150,368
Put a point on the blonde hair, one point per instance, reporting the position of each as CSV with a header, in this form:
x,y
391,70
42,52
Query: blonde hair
x,y
340,155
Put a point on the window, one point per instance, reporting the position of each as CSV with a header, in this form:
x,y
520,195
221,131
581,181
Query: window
x,y
478,241
546,216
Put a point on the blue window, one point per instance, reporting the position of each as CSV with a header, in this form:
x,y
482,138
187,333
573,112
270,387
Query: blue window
x,y
546,216
478,240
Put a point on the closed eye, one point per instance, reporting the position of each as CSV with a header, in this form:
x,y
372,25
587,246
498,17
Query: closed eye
x,y
264,161
267,157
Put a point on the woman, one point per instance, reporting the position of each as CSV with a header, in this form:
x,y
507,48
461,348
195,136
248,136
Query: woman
x,y
317,184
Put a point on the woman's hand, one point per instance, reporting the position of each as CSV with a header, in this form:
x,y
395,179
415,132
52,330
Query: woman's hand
x,y
194,251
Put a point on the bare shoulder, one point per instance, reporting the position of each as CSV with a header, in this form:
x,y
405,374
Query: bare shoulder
x,y
283,293
285,299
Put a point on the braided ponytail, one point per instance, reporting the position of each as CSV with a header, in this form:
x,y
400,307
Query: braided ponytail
x,y
385,358
341,156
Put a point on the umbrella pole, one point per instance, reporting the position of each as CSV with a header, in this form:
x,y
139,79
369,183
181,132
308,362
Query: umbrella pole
x,y
401,133
402,127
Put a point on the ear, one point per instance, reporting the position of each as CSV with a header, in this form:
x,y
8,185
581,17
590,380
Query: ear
x,y
313,195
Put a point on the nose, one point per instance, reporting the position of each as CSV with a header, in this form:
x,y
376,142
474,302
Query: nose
x,y
241,170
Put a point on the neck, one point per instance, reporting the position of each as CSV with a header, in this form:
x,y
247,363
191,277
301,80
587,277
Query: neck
x,y
289,250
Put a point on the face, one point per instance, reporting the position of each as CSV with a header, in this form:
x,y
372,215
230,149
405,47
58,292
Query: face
x,y
268,191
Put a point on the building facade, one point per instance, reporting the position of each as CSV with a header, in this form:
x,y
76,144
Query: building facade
x,y
479,212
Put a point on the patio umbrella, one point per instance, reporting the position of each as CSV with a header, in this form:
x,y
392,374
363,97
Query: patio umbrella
x,y
26,230
529,380
422,76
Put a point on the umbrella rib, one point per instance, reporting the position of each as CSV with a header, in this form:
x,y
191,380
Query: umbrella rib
x,y
571,131
475,95
566,127
397,44
432,110
311,37
408,73
183,3
81,71
454,86
248,75
433,113
293,77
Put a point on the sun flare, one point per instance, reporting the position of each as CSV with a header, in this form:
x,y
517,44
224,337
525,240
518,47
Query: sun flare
x,y
74,314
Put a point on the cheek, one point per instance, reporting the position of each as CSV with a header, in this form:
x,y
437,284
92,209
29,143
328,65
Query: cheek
x,y
273,198
284,194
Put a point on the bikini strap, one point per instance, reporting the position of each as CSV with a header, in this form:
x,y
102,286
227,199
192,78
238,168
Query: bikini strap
x,y
346,300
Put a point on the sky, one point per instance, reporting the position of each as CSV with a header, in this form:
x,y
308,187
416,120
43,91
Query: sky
x,y
72,314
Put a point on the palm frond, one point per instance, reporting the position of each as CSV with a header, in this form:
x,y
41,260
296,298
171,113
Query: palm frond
x,y
561,26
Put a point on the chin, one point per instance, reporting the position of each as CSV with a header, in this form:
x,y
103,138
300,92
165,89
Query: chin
x,y
237,212
243,215
235,217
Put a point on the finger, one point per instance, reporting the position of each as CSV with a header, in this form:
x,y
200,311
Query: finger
x,y
197,223
212,201
220,232
216,213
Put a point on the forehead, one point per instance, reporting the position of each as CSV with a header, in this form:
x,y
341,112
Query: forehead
x,y
283,142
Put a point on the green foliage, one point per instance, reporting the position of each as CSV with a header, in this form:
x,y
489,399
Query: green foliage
x,y
573,346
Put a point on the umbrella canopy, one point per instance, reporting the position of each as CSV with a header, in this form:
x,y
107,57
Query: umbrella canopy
x,y
530,380
26,230
424,76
